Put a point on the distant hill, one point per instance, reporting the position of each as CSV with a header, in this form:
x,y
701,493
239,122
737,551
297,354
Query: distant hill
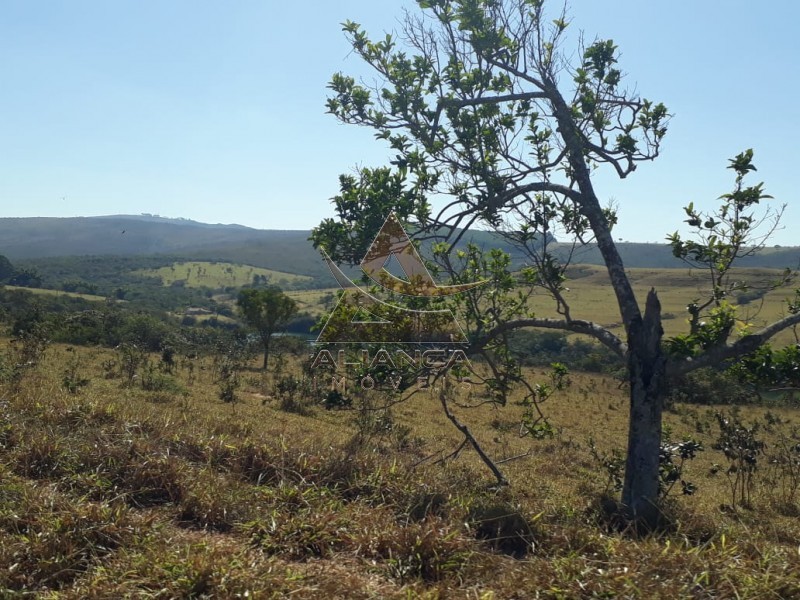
x,y
31,239
24,239
38,237
659,256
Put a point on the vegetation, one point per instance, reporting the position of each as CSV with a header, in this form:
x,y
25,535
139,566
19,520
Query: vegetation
x,y
484,104
114,490
267,311
145,451
218,276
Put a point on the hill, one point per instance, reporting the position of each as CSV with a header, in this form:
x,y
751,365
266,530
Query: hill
x,y
29,240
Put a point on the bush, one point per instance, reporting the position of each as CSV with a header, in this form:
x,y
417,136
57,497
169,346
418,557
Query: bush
x,y
542,348
710,386
335,399
503,527
294,395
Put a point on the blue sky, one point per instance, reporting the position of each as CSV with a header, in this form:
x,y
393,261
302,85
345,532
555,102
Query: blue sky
x,y
215,111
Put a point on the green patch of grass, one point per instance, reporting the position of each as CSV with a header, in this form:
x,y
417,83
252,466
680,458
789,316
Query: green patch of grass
x,y
46,292
219,275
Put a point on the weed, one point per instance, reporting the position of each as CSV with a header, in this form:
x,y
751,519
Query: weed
x,y
742,448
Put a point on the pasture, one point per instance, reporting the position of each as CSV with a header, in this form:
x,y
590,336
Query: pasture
x,y
591,297
122,488
219,275
47,292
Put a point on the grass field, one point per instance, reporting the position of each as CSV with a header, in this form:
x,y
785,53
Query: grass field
x,y
89,297
591,297
314,302
219,275
116,491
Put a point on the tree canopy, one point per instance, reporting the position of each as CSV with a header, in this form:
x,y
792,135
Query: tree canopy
x,y
494,120
266,310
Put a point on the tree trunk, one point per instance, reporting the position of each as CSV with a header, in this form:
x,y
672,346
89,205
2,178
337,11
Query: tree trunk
x,y
266,353
647,378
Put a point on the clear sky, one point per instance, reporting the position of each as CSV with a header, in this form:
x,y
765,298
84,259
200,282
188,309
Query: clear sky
x,y
214,111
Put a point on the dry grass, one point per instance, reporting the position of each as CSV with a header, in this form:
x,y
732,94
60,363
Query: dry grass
x,y
591,297
114,492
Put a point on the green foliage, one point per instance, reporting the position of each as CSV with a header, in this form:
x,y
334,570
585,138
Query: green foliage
x,y
25,278
732,232
362,206
294,395
534,423
219,275
131,357
671,462
713,331
711,386
670,471
72,380
232,355
335,399
6,269
770,367
153,379
26,350
541,348
267,311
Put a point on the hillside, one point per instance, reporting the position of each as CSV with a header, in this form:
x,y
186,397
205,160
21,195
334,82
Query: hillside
x,y
37,237
29,240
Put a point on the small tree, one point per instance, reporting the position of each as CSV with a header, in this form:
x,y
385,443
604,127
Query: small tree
x,y
267,311
482,104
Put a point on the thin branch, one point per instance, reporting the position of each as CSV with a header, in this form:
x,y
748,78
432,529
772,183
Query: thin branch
x,y
517,457
454,103
454,454
601,334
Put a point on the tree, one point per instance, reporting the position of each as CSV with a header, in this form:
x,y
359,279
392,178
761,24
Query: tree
x,y
6,269
26,278
482,106
266,310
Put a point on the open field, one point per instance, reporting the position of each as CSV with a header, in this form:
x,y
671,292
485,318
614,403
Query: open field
x,y
314,302
590,297
115,491
42,291
219,275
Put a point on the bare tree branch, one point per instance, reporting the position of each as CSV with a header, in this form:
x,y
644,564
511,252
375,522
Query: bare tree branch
x,y
601,334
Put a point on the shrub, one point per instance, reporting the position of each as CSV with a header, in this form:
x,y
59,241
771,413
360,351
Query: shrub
x,y
294,394
710,386
742,448
503,527
335,399
782,473
542,348
72,380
